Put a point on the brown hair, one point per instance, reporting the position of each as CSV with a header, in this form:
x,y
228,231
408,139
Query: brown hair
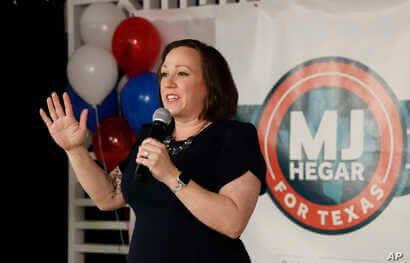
x,y
222,96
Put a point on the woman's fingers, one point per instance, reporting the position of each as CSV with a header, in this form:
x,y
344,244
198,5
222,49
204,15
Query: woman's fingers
x,y
51,109
150,146
147,149
55,109
45,118
153,142
144,161
57,105
83,119
67,104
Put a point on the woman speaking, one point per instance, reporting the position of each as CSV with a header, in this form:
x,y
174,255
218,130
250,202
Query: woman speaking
x,y
204,179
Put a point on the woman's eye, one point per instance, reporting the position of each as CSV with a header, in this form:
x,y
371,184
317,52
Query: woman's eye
x,y
163,74
182,73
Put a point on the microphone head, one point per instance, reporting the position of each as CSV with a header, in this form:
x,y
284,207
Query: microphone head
x,y
162,115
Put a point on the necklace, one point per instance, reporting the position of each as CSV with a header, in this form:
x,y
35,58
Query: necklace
x,y
175,150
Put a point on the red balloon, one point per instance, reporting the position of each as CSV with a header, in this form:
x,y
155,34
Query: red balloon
x,y
136,44
112,141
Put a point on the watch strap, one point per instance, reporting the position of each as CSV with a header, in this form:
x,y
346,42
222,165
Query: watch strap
x,y
184,177
181,181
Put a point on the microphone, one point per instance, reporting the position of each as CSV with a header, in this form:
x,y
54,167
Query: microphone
x,y
161,120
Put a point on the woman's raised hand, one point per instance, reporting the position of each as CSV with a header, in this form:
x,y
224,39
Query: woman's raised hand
x,y
65,130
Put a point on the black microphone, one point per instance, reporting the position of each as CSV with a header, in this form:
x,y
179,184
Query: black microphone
x,y
161,120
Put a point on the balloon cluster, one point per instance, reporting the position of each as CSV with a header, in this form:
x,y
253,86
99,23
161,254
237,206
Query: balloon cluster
x,y
112,69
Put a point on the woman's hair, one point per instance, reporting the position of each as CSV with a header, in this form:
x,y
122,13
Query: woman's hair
x,y
222,96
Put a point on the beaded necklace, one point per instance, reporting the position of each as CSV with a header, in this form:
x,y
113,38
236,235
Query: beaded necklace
x,y
175,150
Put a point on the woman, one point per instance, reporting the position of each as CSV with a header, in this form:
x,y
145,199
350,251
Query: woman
x,y
206,176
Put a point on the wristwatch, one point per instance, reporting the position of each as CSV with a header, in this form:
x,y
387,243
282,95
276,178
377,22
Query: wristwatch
x,y
182,181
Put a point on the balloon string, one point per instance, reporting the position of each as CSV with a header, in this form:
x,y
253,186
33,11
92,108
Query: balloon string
x,y
117,217
99,140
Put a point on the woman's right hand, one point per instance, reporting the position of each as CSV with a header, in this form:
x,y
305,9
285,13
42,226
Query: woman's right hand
x,y
63,127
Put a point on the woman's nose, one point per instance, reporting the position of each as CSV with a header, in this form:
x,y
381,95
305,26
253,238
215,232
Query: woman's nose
x,y
169,82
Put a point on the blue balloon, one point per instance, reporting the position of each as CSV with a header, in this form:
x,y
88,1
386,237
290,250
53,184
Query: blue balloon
x,y
139,99
108,108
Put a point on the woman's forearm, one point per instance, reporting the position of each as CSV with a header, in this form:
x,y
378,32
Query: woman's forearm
x,y
215,210
92,178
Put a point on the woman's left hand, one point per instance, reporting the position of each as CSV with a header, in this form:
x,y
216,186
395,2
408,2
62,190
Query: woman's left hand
x,y
154,155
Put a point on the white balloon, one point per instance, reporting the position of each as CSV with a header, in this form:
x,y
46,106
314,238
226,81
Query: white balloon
x,y
92,73
98,24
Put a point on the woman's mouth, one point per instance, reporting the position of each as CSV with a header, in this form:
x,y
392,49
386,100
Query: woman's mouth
x,y
172,98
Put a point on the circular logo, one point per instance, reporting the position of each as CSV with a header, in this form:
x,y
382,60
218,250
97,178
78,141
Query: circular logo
x,y
332,137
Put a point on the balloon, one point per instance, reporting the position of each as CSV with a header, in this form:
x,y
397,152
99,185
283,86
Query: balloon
x,y
98,23
139,99
109,107
112,141
136,45
92,72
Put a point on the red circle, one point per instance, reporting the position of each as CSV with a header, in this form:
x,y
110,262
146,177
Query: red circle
x,y
341,72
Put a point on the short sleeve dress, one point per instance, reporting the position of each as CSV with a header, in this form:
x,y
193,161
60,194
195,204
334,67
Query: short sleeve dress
x,y
165,231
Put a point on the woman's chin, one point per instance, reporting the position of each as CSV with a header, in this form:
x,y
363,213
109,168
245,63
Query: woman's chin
x,y
173,106
172,110
177,112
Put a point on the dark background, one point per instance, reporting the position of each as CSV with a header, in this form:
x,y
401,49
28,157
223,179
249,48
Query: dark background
x,y
36,58
36,46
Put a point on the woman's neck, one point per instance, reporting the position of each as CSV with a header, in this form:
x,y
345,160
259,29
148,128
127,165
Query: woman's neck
x,y
185,129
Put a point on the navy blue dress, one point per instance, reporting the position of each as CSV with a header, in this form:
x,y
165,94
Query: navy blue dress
x,y
165,231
